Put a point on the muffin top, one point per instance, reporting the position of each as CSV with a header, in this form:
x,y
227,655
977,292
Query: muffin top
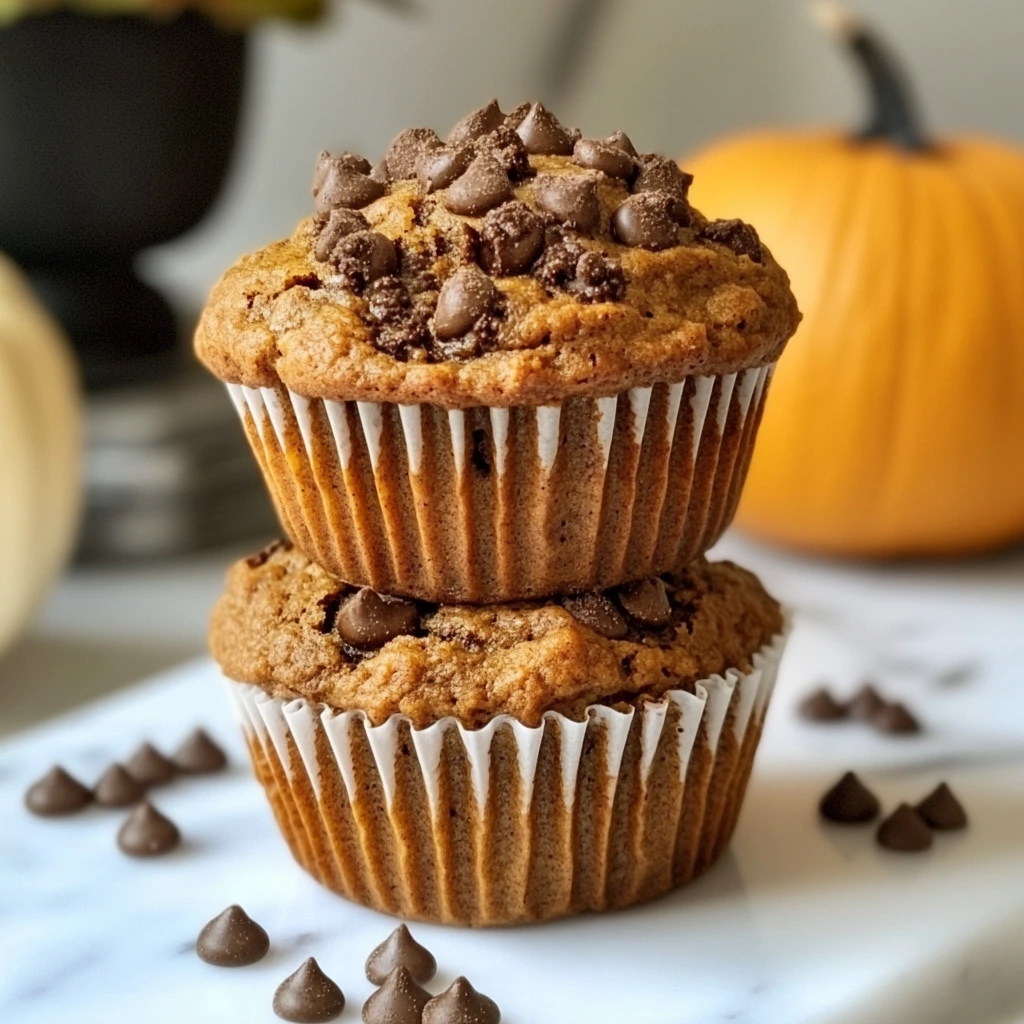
x,y
288,626
514,263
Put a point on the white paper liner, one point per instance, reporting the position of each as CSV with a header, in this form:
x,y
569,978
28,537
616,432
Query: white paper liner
x,y
342,834
398,497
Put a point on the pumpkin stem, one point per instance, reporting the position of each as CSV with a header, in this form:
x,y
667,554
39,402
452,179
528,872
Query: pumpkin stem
x,y
894,115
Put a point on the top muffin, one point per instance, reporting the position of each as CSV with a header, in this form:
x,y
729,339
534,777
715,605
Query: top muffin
x,y
513,263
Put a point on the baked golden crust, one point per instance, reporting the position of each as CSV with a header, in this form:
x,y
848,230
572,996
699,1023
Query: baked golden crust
x,y
476,662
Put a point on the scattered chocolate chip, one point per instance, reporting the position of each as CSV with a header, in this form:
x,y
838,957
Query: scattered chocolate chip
x,y
904,831
821,706
398,1001
645,222
347,161
150,767
557,264
363,257
481,122
369,620
147,833
572,198
400,949
507,148
604,157
380,173
117,787
308,996
406,150
659,174
340,223
464,298
849,802
734,234
646,602
542,134
461,1004
865,703
484,185
620,140
511,238
941,810
199,755
598,279
232,939
336,185
598,613
57,793
440,167
895,718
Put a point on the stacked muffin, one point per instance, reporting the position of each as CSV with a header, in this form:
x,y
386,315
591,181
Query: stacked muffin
x,y
504,390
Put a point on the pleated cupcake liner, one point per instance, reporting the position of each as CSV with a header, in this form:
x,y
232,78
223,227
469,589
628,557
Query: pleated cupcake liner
x,y
508,823
500,504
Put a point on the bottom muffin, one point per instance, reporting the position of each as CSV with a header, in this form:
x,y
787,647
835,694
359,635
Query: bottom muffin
x,y
500,764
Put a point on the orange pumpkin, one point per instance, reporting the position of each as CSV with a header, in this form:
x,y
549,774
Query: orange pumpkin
x,y
896,420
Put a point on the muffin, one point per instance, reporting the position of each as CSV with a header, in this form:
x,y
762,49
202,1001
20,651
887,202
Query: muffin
x,y
509,364
501,764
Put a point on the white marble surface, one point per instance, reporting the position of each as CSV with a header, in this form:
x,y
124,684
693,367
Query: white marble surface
x,y
799,923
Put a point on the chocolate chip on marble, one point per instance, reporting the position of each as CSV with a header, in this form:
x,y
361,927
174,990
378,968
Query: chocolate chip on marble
x,y
199,755
484,185
941,810
117,787
340,223
440,167
904,831
620,140
645,222
465,297
461,1004
849,802
398,1001
572,198
604,157
400,949
741,238
337,184
232,939
56,794
597,612
150,767
308,996
646,602
821,706
511,238
406,150
363,257
865,703
542,134
147,833
659,174
599,278
895,719
481,122
368,620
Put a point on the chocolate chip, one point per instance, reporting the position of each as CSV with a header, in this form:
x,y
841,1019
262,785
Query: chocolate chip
x,y
199,755
147,833
865,704
515,117
460,1003
659,174
440,167
480,122
904,831
557,264
849,802
149,766
57,793
646,222
484,185
598,279
598,613
542,134
340,224
604,157
406,150
308,996
465,297
117,787
387,299
363,257
508,150
941,810
821,706
400,949
232,939
741,238
646,602
337,185
896,719
398,1001
620,140
369,620
401,337
572,198
346,161
380,173
511,238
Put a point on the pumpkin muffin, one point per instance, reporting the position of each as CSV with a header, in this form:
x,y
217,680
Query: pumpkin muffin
x,y
511,363
502,764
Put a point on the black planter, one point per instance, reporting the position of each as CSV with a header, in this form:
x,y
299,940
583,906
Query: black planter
x,y
115,134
